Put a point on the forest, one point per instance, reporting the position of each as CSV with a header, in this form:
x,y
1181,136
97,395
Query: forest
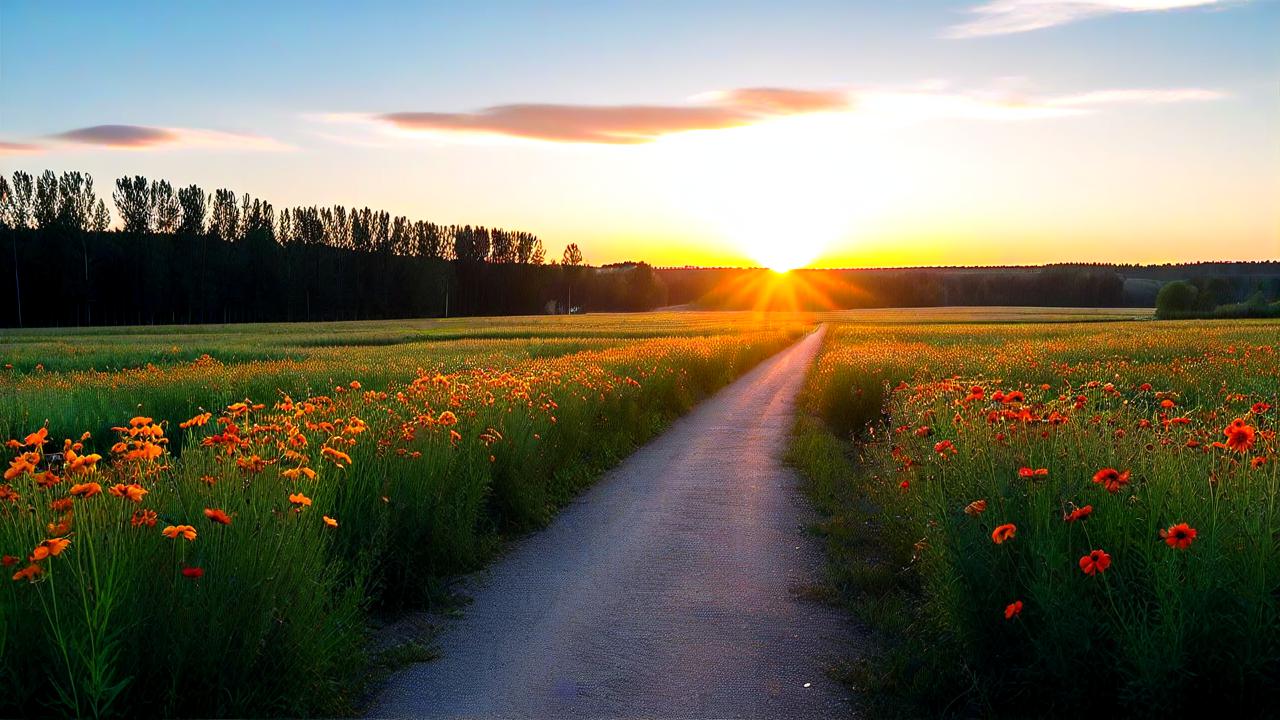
x,y
185,255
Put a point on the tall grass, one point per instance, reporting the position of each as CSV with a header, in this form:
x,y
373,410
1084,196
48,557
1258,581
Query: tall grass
x,y
263,611
914,493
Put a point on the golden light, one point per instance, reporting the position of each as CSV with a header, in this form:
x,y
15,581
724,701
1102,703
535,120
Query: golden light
x,y
781,191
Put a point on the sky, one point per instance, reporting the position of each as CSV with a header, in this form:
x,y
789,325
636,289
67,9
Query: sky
x,y
828,134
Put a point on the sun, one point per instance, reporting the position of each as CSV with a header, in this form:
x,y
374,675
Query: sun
x,y
781,192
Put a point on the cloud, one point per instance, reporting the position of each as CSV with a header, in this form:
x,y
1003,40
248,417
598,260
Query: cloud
x,y
620,124
1004,17
142,137
939,103
17,148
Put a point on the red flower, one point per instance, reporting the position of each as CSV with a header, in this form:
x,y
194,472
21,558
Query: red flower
x,y
1259,408
217,516
1240,436
1003,532
1095,562
1079,513
1111,479
1012,610
944,447
1179,536
1028,473
194,573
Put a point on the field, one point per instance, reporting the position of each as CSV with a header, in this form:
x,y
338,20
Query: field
x,y
1053,520
201,520
1033,511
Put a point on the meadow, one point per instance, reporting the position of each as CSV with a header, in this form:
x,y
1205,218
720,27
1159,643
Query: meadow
x,y
1052,519
202,520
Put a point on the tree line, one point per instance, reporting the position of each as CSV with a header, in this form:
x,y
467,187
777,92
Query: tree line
x,y
185,255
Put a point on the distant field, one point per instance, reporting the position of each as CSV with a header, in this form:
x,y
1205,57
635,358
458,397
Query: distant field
x,y
984,314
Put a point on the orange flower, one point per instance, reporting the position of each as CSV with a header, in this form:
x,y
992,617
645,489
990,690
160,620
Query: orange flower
x,y
1111,479
1095,562
975,508
1003,532
30,572
339,458
447,419
330,521
1240,436
143,517
1258,462
133,491
217,516
1079,513
49,548
86,490
1012,610
196,421
300,500
173,531
37,438
1179,536
1028,473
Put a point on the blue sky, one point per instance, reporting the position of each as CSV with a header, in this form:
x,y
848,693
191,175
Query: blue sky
x,y
314,78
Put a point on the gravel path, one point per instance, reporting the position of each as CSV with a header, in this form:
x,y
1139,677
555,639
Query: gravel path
x,y
666,590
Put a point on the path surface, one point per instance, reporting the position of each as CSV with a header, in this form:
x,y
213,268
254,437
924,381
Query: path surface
x,y
666,590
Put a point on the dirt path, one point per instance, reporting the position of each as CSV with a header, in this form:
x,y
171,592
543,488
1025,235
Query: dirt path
x,y
667,590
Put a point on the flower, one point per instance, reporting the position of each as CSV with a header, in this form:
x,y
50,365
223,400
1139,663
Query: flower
x,y
1003,532
1111,479
133,491
330,521
196,421
9,560
86,490
1095,562
49,548
217,516
1028,473
195,573
1079,513
30,572
339,458
143,517
942,448
1240,435
1179,536
173,531
1259,407
1012,610
300,500
975,508
37,438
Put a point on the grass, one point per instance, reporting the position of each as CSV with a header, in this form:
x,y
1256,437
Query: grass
x,y
208,572
914,450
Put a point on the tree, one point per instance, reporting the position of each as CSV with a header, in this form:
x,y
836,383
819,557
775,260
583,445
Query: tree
x,y
165,207
133,203
46,201
1174,298
572,255
193,206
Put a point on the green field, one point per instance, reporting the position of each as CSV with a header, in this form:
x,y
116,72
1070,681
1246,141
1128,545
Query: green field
x,y
331,472
920,441
328,474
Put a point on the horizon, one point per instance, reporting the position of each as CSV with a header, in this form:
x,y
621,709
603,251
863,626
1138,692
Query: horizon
x,y
863,136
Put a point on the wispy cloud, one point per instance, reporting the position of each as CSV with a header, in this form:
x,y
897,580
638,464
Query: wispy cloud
x,y
637,124
17,148
619,124
143,137
1004,17
941,103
